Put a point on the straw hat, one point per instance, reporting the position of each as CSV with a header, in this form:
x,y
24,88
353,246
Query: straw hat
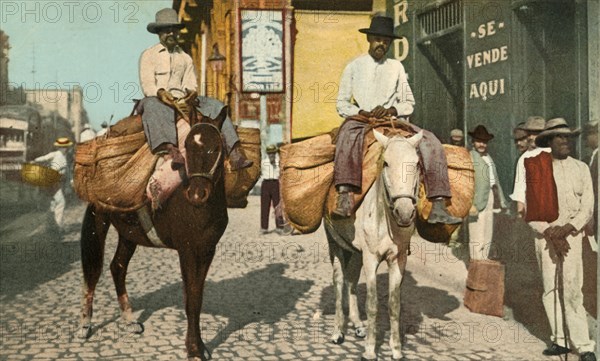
x,y
456,133
272,148
553,127
534,124
165,18
63,142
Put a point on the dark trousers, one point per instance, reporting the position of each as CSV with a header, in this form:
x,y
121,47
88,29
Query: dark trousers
x,y
269,195
347,166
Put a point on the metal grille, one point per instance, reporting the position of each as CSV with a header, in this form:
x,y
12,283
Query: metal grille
x,y
442,17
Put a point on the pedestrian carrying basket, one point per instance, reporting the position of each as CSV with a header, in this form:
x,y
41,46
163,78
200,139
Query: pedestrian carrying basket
x,y
112,172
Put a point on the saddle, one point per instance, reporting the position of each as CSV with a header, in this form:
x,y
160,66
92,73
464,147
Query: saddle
x,y
308,192
112,171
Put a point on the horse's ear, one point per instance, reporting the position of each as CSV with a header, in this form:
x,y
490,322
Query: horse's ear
x,y
381,138
415,139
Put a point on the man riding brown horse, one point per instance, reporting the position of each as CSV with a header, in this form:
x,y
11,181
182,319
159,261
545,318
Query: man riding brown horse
x,y
168,81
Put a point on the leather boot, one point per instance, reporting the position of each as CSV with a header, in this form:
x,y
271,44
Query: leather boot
x,y
237,160
345,202
439,213
177,158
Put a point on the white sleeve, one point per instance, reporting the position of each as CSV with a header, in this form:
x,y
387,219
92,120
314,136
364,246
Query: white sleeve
x,y
147,80
345,107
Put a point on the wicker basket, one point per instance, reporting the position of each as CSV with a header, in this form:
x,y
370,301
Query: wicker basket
x,y
39,175
239,183
462,187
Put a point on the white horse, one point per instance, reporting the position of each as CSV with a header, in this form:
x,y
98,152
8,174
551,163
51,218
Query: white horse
x,y
382,230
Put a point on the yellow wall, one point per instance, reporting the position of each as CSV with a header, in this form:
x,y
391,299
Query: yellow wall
x,y
325,43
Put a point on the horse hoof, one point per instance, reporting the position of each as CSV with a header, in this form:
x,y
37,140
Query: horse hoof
x,y
136,327
85,332
360,332
339,340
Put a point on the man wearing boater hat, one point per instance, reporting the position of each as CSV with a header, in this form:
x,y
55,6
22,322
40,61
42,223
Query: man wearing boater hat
x,y
559,239
375,87
533,126
167,74
57,160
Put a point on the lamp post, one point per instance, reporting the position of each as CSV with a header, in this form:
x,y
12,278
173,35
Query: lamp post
x,y
217,62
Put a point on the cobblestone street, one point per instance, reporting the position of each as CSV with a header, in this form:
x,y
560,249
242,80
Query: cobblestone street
x,y
267,297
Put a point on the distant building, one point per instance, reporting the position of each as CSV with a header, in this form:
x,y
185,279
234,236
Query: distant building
x,y
4,47
65,103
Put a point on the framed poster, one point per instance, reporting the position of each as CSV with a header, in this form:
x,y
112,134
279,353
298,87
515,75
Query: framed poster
x,y
262,59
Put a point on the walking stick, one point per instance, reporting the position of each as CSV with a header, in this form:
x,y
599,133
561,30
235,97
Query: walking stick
x,y
559,284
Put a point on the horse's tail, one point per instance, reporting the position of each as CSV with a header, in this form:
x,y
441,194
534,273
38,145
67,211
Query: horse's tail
x,y
93,235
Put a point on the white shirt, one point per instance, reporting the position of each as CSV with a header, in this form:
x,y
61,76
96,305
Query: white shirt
x,y
594,154
490,165
366,84
520,181
269,170
56,160
575,194
86,135
171,71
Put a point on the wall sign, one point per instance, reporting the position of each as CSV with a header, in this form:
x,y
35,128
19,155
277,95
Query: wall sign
x,y
262,51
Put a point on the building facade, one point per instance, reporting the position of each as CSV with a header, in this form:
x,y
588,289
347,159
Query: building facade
x,y
497,62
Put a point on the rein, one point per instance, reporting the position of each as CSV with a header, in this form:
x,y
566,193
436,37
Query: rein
x,y
210,175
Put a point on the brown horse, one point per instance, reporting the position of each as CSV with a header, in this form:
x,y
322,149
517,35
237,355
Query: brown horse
x,y
192,221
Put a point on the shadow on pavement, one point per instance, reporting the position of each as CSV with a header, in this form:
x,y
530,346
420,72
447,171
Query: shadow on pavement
x,y
417,302
31,255
263,296
514,246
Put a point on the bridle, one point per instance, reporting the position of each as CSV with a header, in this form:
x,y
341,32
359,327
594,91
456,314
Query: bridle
x,y
210,175
392,198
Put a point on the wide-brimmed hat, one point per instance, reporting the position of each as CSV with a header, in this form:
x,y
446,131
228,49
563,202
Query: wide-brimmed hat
x,y
481,133
272,148
519,132
382,26
591,127
553,127
165,18
534,124
63,142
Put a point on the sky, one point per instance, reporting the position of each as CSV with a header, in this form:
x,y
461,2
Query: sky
x,y
94,44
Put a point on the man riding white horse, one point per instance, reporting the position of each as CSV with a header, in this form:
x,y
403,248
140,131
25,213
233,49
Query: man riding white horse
x,y
166,74
375,87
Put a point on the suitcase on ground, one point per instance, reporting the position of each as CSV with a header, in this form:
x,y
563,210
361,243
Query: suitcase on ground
x,y
485,288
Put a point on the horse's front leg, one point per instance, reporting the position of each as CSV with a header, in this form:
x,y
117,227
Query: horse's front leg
x,y
353,268
396,268
118,269
194,265
370,264
93,238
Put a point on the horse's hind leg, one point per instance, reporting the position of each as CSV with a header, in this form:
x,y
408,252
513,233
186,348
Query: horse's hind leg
x,y
336,256
352,274
118,269
93,236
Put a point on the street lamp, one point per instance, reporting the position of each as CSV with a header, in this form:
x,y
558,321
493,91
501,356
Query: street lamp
x,y
217,62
